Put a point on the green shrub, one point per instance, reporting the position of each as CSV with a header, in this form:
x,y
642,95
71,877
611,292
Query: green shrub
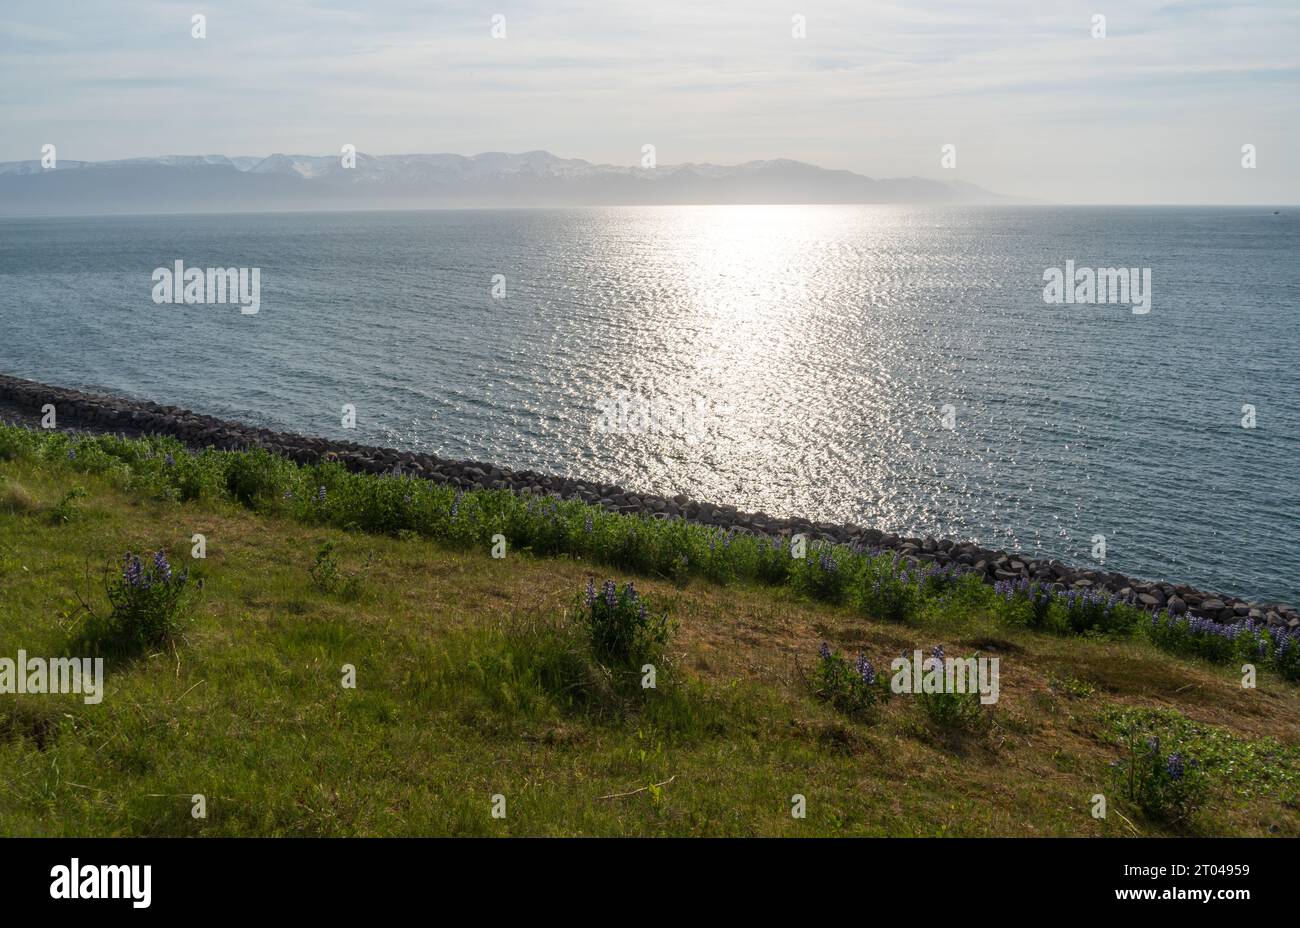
x,y
146,602
1091,611
822,574
257,477
854,689
329,577
885,592
1165,785
622,631
64,510
947,708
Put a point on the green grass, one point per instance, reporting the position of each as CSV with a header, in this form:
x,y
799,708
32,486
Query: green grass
x,y
473,677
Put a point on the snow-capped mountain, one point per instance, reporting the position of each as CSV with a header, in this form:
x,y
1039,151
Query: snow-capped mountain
x,y
217,183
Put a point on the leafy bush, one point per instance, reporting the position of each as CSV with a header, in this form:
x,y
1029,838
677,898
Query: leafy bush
x,y
64,510
1165,785
821,573
1091,611
852,688
1193,635
1285,652
17,443
621,629
946,708
257,477
147,602
330,578
772,561
1026,602
885,592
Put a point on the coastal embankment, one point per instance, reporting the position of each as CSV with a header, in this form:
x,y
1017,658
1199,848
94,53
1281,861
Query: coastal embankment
x,y
27,402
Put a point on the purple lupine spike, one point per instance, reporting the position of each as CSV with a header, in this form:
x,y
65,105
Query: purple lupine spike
x,y
133,572
591,592
161,567
825,651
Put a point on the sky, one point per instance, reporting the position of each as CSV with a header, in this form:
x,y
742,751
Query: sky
x,y
1157,111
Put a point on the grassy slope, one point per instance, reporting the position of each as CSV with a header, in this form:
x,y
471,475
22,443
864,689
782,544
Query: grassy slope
x,y
250,711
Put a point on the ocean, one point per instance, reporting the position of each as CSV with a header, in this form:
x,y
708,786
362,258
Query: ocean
x,y
896,367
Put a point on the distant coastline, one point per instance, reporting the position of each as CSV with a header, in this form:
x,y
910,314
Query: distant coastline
x,y
358,181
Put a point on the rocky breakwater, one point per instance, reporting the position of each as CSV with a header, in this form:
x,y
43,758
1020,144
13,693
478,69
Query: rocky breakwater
x,y
91,412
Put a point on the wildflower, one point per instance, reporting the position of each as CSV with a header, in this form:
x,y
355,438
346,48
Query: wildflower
x,y
1174,766
455,506
320,495
169,460
591,592
133,572
587,525
611,594
161,567
72,454
825,651
865,670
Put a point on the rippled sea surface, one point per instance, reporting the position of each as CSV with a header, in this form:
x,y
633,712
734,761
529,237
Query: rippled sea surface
x,y
795,360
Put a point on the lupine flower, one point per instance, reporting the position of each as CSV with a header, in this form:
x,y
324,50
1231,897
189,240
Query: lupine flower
x,y
591,592
587,525
161,567
611,594
865,670
455,506
936,657
825,651
320,495
1175,766
133,572
72,454
169,460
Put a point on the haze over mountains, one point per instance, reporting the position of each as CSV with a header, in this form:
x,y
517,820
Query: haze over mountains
x,y
217,183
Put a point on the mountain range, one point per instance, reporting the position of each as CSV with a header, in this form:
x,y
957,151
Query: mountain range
x,y
217,183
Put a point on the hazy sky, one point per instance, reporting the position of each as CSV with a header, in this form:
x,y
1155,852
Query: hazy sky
x,y
1156,112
